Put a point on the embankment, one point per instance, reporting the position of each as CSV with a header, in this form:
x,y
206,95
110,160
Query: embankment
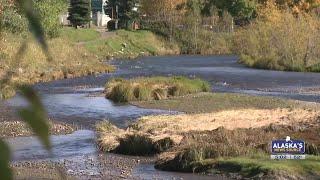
x,y
31,65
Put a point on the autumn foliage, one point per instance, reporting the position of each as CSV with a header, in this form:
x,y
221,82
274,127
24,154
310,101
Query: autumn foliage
x,y
280,39
159,7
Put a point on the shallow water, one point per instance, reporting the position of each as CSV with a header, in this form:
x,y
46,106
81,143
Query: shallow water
x,y
29,148
89,108
73,99
223,72
79,155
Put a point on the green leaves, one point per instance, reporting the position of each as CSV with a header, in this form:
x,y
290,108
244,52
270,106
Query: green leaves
x,y
5,172
35,115
27,7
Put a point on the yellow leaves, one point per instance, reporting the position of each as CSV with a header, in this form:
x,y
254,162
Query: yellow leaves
x,y
269,12
159,7
296,6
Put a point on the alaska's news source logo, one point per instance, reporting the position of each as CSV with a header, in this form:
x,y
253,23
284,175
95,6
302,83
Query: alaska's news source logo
x,y
288,149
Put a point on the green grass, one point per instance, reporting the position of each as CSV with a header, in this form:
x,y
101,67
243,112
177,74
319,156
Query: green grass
x,y
131,44
144,89
79,35
213,102
250,166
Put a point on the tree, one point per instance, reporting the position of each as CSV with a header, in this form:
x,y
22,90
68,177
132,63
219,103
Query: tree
x,y
127,11
79,12
297,6
159,7
241,10
49,12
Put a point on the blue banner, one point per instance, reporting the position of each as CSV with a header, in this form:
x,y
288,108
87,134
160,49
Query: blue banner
x,y
288,147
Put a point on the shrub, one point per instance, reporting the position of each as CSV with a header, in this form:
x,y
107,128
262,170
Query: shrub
x,y
111,25
12,21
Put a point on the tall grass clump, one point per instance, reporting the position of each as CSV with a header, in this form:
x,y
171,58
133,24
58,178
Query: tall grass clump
x,y
136,145
280,40
153,88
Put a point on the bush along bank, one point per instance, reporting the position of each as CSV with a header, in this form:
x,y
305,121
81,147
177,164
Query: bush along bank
x,y
280,40
153,88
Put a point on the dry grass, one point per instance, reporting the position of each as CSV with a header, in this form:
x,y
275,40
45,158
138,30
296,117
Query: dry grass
x,y
230,119
130,141
108,136
154,129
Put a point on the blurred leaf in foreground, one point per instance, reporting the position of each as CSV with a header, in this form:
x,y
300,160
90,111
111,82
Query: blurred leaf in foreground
x,y
35,115
27,7
5,171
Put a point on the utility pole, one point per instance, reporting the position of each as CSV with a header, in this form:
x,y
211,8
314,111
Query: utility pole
x,y
117,18
171,20
90,5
